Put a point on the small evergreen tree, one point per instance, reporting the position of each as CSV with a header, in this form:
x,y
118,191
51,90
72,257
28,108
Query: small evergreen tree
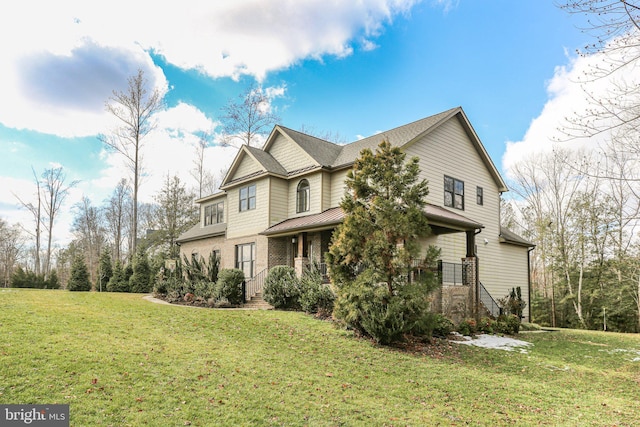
x,y
105,271
140,280
53,282
79,280
118,281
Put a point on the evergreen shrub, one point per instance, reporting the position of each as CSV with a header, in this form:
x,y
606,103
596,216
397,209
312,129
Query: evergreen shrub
x,y
282,288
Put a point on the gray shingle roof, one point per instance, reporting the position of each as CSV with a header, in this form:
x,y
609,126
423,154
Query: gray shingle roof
x,y
323,152
267,160
334,216
196,232
508,236
397,137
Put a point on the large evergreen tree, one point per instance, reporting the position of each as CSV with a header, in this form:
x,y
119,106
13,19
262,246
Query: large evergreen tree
x,y
373,250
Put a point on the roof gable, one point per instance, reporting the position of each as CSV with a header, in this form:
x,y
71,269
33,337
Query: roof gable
x,y
251,162
404,136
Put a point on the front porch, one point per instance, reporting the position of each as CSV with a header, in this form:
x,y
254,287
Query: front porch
x,y
303,241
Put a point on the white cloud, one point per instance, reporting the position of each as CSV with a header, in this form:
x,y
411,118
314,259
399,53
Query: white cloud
x,y
566,99
62,62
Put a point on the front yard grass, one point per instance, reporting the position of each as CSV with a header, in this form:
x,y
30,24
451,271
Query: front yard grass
x,y
119,360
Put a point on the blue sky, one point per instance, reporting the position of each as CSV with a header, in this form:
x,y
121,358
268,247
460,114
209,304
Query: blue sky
x,y
350,68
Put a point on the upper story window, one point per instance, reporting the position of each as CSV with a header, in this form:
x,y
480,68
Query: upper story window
x,y
214,213
453,193
248,198
479,196
302,196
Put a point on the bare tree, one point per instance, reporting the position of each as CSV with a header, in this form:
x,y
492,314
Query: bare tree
x,y
90,235
615,25
330,136
134,108
11,246
206,180
175,213
36,211
245,120
55,192
116,216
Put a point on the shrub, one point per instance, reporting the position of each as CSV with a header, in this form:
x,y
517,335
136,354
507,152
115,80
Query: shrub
x,y
315,296
443,326
468,327
486,325
508,324
371,310
229,286
281,288
385,323
205,290
513,303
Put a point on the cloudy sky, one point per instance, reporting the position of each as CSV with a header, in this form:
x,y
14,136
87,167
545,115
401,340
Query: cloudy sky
x,y
349,68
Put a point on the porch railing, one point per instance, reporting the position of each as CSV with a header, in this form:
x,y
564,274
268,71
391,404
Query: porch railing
x,y
451,273
254,285
489,303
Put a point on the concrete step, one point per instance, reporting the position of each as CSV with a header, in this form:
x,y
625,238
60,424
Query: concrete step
x,y
258,303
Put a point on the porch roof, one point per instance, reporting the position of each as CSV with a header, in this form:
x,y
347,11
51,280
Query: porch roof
x,y
439,216
322,221
436,215
197,232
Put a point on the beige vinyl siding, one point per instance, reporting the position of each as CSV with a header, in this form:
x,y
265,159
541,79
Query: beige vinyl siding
x,y
278,200
315,194
449,151
326,191
510,272
252,221
338,187
289,155
246,167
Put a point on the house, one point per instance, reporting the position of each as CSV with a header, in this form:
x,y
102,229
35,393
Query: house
x,y
279,205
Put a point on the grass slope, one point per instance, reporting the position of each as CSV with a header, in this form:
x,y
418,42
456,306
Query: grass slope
x,y
119,360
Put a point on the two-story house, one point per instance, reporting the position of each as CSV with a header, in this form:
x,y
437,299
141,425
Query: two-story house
x,y
279,205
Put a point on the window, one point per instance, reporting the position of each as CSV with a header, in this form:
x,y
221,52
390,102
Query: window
x,y
303,196
453,193
245,258
214,214
248,198
479,197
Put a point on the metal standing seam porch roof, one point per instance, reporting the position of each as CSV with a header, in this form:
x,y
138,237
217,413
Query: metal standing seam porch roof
x,y
331,217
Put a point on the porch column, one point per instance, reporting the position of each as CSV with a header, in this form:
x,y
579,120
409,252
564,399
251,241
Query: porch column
x,y
471,243
301,261
470,264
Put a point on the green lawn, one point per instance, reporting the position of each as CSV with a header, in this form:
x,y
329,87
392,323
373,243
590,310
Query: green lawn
x,y
119,360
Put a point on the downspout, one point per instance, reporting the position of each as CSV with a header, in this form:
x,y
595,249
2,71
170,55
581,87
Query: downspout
x,y
477,284
529,278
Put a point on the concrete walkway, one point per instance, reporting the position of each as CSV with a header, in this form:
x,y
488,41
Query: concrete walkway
x,y
153,299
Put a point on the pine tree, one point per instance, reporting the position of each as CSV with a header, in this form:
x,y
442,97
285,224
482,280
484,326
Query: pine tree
x,y
118,281
373,249
105,271
140,281
79,280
